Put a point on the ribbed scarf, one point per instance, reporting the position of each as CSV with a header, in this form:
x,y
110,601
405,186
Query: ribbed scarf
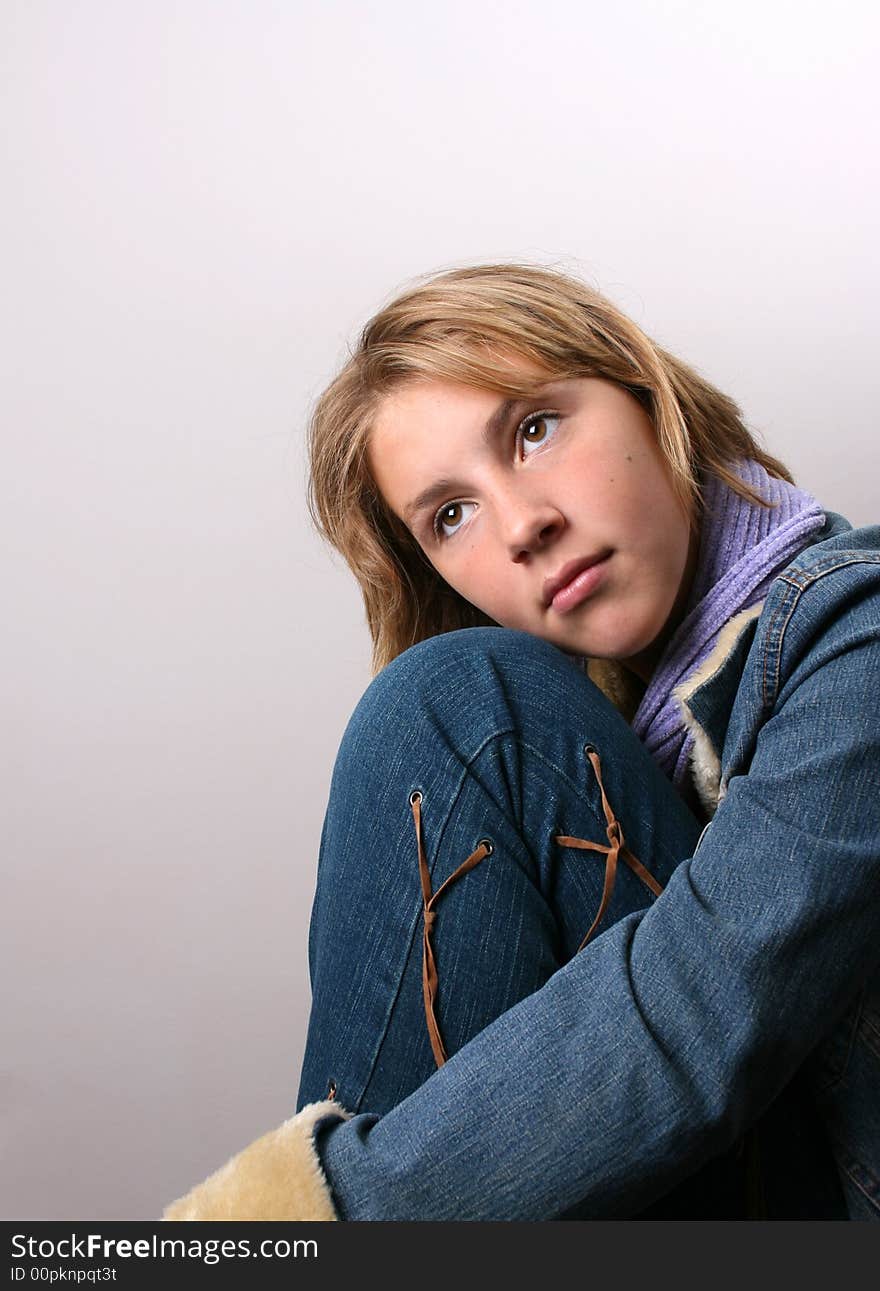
x,y
742,548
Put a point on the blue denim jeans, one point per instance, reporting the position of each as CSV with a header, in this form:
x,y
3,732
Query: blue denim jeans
x,y
493,731
490,729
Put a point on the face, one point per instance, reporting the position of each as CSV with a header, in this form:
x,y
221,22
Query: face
x,y
553,514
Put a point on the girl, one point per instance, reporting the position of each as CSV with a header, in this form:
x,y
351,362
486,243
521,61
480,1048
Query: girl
x,y
597,910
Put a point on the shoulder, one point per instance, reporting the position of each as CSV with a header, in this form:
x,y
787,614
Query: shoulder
x,y
838,547
826,601
807,691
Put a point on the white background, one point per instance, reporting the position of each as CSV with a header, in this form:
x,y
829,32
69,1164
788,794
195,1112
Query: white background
x,y
203,201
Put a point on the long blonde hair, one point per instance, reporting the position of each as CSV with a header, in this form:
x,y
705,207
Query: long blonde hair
x,y
463,326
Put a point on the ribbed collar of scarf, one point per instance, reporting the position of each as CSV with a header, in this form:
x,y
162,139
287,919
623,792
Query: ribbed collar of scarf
x,y
742,548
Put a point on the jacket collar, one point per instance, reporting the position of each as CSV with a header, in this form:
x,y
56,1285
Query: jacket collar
x,y
707,696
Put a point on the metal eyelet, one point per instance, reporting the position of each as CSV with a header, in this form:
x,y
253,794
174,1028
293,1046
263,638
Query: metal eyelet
x,y
488,844
331,1089
589,748
415,796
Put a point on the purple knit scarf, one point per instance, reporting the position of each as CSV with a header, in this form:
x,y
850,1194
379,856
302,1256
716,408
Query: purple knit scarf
x,y
742,548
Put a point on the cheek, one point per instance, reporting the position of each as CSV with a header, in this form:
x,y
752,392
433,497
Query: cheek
x,y
463,572
673,544
476,577
659,515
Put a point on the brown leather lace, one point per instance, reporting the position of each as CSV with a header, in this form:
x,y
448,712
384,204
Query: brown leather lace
x,y
614,851
429,966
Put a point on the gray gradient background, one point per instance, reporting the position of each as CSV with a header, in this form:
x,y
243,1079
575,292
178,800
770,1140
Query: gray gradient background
x,y
203,201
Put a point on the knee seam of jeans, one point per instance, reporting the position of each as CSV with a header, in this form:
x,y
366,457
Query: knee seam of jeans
x,y
579,788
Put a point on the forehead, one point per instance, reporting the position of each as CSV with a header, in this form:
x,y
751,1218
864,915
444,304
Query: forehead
x,y
428,433
425,419
415,401
516,380
432,419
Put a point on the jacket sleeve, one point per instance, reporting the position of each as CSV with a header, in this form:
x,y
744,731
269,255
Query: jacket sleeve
x,y
664,1039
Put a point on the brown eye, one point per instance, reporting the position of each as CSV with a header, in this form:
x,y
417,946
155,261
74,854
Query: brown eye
x,y
450,518
537,429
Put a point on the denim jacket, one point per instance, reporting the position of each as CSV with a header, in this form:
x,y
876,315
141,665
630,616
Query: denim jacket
x,y
750,994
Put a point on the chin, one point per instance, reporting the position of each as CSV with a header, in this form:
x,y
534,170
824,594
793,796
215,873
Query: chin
x,y
620,640
612,646
627,638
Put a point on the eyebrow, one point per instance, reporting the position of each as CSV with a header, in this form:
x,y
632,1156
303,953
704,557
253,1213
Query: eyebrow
x,y
443,488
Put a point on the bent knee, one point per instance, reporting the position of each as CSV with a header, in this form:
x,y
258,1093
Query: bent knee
x,y
469,658
473,681
471,648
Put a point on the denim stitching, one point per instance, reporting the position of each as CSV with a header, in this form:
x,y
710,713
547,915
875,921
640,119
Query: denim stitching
x,y
800,584
802,578
776,648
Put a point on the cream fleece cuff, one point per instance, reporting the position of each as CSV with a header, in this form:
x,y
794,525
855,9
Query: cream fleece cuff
x,y
278,1176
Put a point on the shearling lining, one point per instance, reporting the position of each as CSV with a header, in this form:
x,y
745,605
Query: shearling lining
x,y
278,1176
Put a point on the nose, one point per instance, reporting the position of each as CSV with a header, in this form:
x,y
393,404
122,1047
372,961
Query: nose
x,y
529,525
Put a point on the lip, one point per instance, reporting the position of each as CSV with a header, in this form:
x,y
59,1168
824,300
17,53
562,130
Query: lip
x,y
575,582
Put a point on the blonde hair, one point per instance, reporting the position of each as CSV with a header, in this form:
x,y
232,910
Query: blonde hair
x,y
464,326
